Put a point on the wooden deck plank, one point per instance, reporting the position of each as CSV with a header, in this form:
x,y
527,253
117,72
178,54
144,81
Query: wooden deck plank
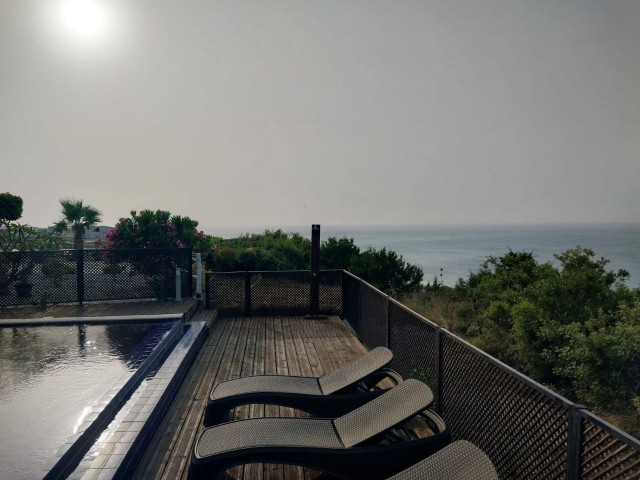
x,y
238,347
202,376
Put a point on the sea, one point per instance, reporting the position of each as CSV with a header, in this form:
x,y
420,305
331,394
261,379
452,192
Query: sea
x,y
452,252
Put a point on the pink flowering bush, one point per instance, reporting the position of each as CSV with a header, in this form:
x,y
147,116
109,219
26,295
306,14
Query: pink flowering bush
x,y
159,230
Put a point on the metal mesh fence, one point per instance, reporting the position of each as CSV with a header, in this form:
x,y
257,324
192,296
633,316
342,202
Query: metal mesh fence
x,y
128,274
330,302
31,277
521,425
523,429
272,293
351,300
280,293
83,275
413,343
607,453
373,317
226,292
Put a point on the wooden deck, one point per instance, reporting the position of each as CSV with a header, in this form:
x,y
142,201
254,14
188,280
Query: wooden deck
x,y
238,347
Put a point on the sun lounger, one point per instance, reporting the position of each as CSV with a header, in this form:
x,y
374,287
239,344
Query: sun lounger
x,y
329,396
350,446
461,460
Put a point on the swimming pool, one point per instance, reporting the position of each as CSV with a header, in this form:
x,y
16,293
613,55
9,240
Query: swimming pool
x,y
55,381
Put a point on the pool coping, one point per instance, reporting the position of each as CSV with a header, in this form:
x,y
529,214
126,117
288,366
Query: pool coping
x,y
121,453
54,321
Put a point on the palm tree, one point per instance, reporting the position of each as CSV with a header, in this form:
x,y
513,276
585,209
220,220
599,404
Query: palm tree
x,y
79,218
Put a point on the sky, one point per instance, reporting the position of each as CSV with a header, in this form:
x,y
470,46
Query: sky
x,y
341,112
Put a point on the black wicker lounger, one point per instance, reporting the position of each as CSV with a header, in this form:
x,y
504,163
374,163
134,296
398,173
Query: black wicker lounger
x,y
461,460
348,447
332,395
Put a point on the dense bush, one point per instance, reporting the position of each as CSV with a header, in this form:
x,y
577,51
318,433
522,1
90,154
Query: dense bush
x,y
277,250
574,326
10,207
154,229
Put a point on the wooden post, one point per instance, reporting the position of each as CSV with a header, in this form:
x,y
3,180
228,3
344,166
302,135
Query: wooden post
x,y
314,290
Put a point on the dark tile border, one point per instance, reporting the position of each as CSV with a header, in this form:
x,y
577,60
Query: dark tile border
x,y
118,458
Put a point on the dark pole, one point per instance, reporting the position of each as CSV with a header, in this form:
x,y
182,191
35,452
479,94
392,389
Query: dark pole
x,y
315,267
80,275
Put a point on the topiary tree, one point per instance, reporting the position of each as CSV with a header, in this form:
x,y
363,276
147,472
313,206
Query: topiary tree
x,y
78,218
10,207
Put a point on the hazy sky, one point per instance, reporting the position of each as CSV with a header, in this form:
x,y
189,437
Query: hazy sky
x,y
335,112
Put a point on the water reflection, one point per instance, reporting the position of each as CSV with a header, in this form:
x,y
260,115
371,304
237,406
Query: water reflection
x,y
51,378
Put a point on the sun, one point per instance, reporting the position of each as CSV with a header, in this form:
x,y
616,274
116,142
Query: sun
x,y
84,18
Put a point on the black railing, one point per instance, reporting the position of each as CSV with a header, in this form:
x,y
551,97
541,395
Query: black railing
x,y
272,293
528,430
63,276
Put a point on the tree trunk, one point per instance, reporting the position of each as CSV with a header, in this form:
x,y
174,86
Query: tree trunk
x,y
78,241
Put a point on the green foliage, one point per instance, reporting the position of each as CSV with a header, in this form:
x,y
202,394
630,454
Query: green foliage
x,y
575,327
387,271
78,218
10,207
16,241
278,250
338,253
272,250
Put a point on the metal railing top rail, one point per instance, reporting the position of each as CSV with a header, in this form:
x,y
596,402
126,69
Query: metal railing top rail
x,y
611,429
244,272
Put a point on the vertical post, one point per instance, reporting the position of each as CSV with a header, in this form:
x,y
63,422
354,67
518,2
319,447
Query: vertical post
x,y
314,291
80,275
207,296
574,443
247,294
190,272
198,275
178,285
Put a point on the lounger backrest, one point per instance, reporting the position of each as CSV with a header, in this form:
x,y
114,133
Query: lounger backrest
x,y
461,460
355,371
382,413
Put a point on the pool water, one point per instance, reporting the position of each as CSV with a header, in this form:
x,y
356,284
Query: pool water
x,y
53,377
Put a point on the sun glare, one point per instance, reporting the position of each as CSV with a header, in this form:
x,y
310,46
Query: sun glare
x,y
84,18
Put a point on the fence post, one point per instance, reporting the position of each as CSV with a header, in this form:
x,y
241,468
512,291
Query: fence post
x,y
574,442
80,275
207,298
198,275
247,294
314,287
179,285
190,272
